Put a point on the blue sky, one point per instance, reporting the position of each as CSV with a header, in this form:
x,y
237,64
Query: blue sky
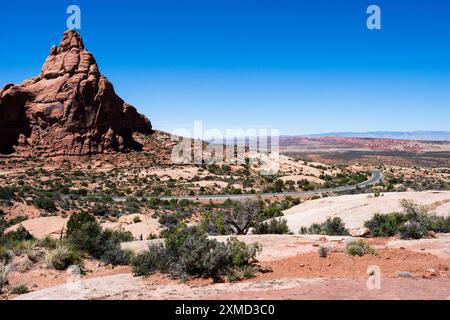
x,y
297,66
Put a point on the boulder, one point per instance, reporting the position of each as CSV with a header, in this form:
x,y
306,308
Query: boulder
x,y
359,232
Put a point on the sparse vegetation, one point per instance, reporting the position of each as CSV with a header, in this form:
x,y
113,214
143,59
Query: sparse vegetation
x,y
243,217
332,227
274,226
187,253
85,234
61,257
323,252
414,222
359,248
4,271
20,289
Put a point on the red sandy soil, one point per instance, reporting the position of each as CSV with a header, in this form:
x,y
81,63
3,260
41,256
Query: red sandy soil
x,y
341,265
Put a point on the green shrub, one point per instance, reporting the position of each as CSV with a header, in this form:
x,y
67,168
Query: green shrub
x,y
100,210
155,259
20,289
213,223
243,216
27,247
440,224
271,212
359,248
274,226
136,219
385,225
332,227
5,255
3,224
45,203
21,234
248,272
242,254
323,252
152,236
4,271
6,193
60,258
413,230
48,242
16,220
113,254
77,220
414,222
187,253
118,235
86,235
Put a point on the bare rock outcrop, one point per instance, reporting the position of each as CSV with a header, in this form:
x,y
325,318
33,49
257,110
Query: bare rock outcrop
x,y
69,109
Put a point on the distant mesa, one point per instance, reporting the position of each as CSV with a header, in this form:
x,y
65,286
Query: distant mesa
x,y
70,109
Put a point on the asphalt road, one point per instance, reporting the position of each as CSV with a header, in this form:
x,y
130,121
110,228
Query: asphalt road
x,y
376,177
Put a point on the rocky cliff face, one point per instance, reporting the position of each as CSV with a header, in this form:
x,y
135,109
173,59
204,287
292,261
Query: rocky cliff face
x,y
69,109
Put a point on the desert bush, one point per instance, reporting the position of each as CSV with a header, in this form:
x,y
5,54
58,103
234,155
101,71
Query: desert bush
x,y
3,223
113,254
16,220
187,252
414,222
5,255
274,226
4,271
20,289
243,216
86,235
77,220
100,210
213,223
118,235
6,193
440,224
359,248
323,252
413,230
48,242
242,254
27,247
271,212
168,220
385,225
332,227
156,258
45,203
21,234
60,258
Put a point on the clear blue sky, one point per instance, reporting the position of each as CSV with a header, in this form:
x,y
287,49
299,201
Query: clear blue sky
x,y
297,66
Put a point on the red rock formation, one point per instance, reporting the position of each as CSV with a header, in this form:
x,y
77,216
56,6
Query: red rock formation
x,y
70,109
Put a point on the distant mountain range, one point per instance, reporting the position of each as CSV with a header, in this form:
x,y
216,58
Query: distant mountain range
x,y
411,135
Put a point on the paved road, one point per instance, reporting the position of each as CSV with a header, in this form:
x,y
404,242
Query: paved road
x,y
376,177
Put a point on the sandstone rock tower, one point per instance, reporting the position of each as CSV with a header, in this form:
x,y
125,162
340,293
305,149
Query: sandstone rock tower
x,y
69,109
